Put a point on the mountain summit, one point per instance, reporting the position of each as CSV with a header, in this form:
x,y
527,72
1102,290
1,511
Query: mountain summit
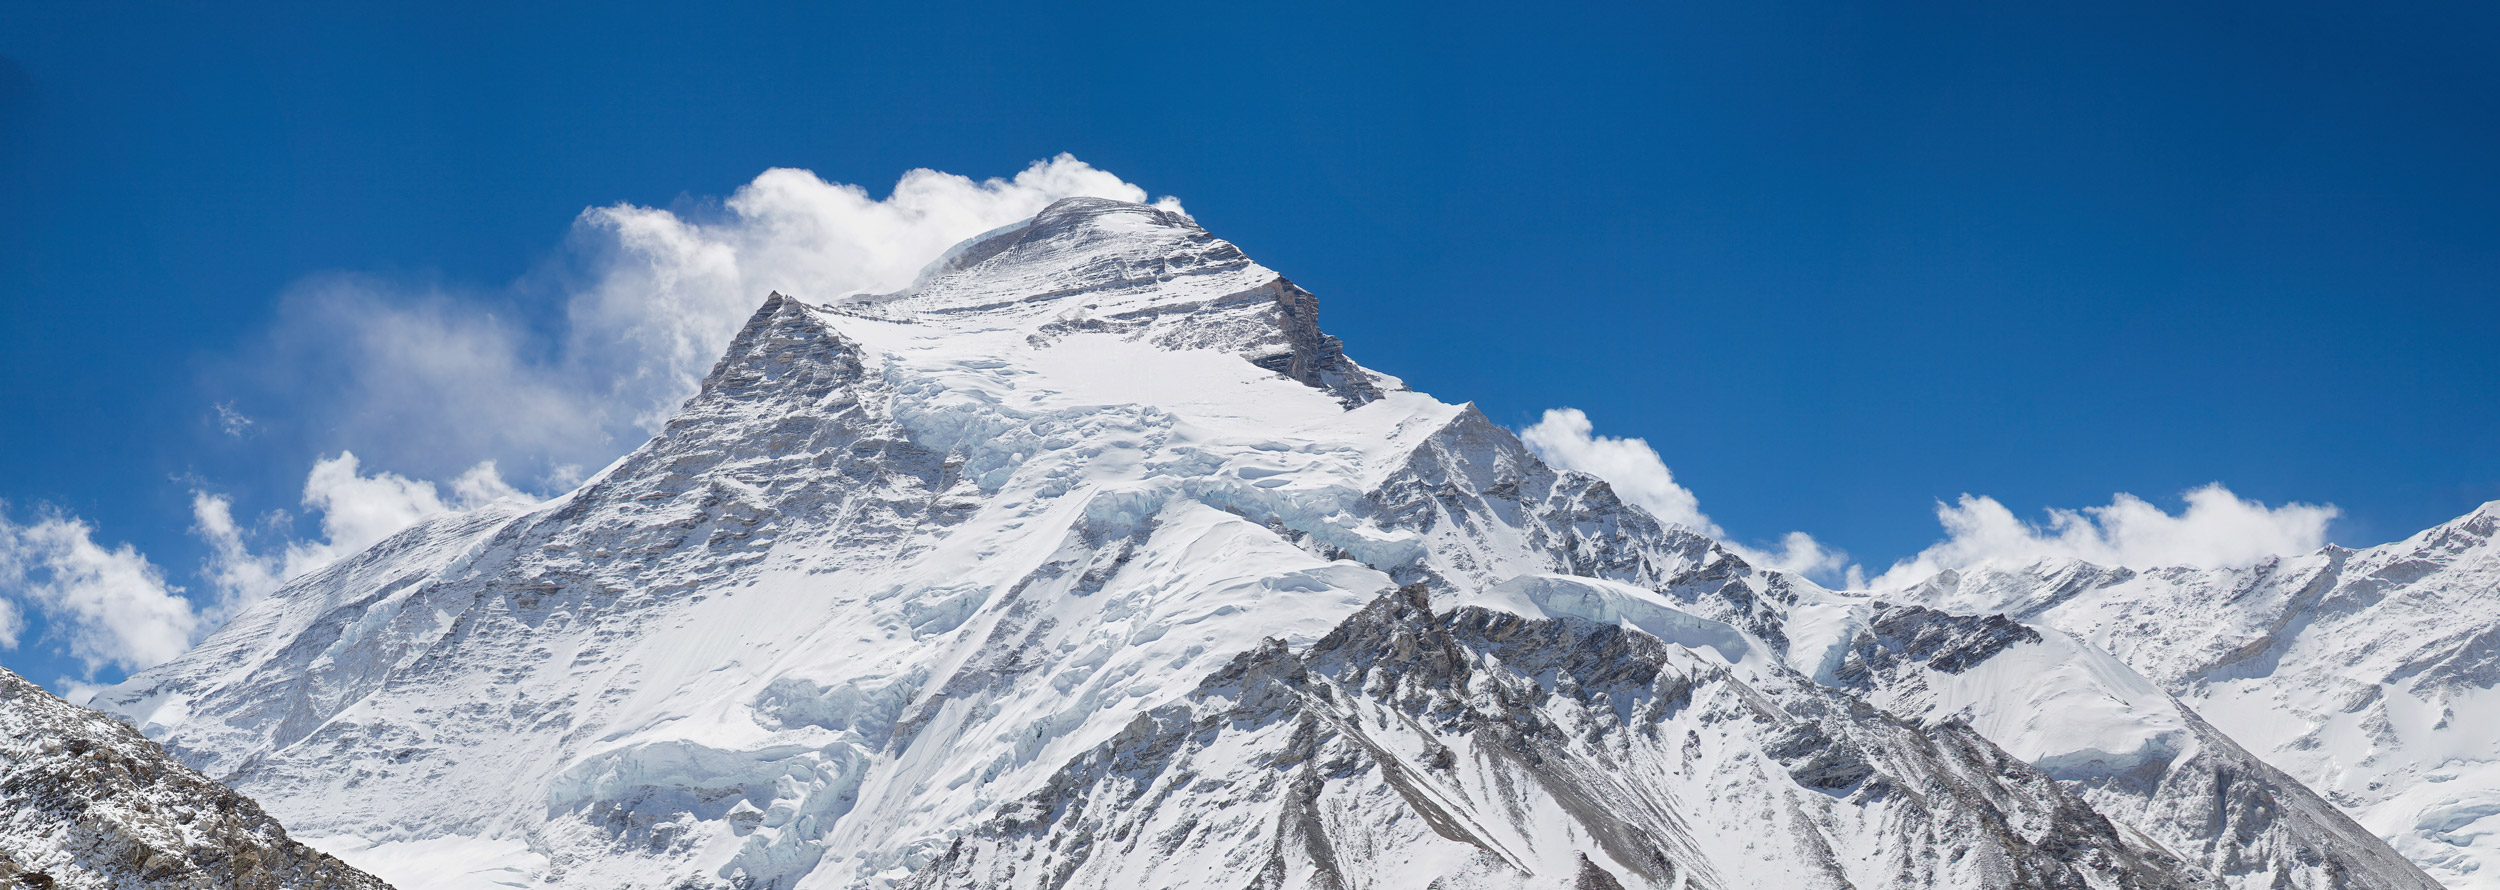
x,y
1102,266
1089,560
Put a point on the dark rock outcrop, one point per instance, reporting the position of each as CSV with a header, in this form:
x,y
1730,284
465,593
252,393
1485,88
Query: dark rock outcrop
x,y
90,803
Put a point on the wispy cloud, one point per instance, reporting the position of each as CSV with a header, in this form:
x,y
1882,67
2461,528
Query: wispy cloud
x,y
232,421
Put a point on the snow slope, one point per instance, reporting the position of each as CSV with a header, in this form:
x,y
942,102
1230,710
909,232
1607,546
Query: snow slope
x,y
912,565
2368,674
89,804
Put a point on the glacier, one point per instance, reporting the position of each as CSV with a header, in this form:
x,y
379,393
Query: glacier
x,y
1090,560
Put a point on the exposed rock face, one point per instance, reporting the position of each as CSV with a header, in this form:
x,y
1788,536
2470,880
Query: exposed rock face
x,y
926,588
1313,357
90,803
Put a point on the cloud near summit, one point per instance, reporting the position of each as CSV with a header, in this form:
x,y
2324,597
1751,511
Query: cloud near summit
x,y
675,290
428,381
1565,438
431,383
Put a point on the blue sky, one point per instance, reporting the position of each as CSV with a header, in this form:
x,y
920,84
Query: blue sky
x,y
1836,263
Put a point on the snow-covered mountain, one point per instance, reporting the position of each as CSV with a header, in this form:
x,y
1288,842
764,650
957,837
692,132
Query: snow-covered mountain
x,y
2368,674
88,804
1089,560
1482,747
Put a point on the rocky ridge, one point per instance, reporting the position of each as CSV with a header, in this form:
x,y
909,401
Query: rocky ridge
x,y
90,804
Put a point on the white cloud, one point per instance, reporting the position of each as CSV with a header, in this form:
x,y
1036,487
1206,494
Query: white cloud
x,y
76,691
2217,529
357,511
1801,554
481,485
113,608
109,605
1565,438
239,577
433,380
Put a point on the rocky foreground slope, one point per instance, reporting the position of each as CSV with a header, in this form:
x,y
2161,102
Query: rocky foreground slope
x,y
1091,561
86,803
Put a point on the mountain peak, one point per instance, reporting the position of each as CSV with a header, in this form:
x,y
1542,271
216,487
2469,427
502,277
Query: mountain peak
x,y
1079,219
1084,212
782,346
1086,266
1077,246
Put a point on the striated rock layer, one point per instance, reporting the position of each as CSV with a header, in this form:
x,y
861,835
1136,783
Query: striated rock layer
x,y
90,804
1089,560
